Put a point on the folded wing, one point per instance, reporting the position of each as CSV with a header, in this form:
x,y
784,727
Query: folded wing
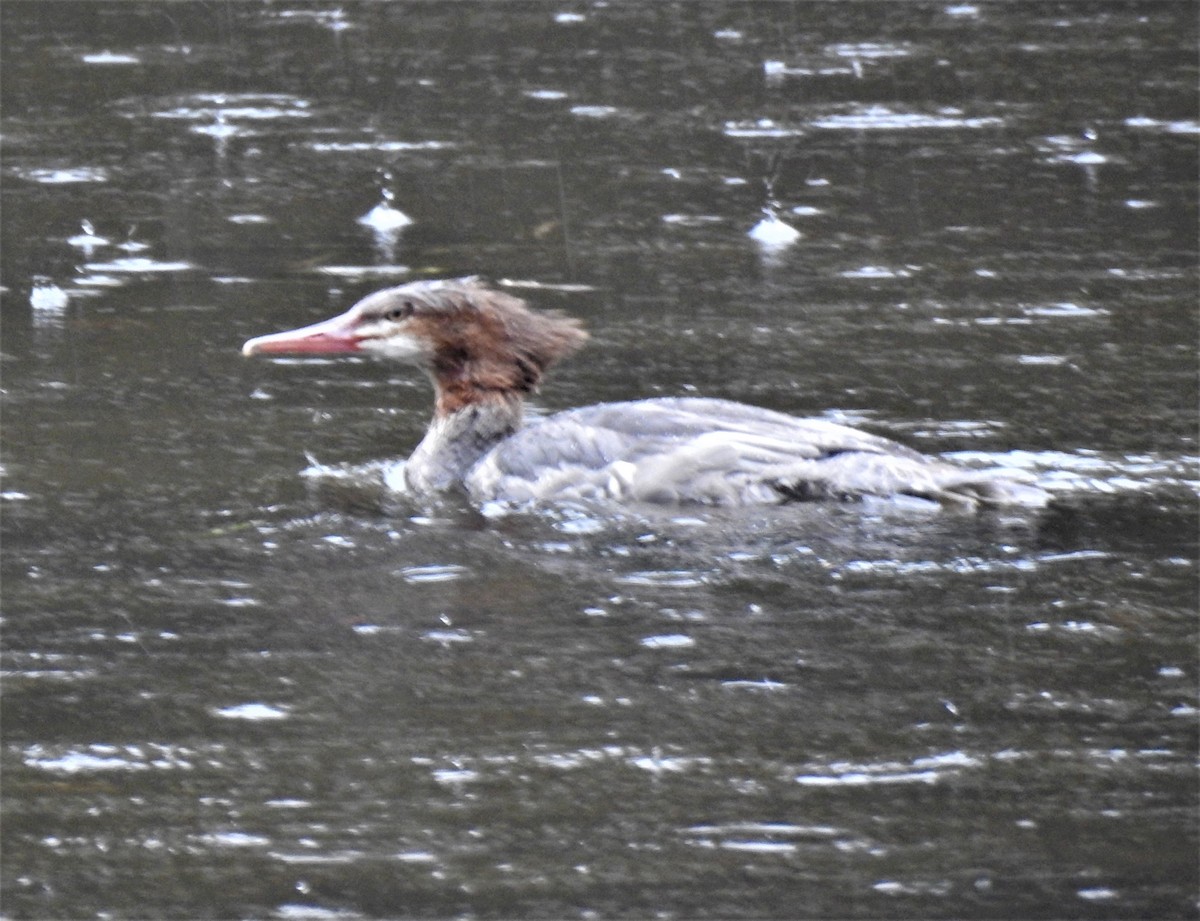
x,y
720,452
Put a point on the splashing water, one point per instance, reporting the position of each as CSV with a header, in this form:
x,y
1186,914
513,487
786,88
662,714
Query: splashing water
x,y
386,223
46,298
384,218
772,232
87,239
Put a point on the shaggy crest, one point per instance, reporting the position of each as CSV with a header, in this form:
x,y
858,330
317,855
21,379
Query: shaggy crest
x,y
481,342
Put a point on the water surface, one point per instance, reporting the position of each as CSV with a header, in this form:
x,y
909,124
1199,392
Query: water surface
x,y
239,685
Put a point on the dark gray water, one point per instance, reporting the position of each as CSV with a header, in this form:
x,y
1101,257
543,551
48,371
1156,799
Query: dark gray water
x,y
240,684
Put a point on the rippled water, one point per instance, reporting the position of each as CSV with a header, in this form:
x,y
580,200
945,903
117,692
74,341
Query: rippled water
x,y
241,680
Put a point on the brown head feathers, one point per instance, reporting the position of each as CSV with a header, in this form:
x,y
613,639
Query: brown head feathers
x,y
478,342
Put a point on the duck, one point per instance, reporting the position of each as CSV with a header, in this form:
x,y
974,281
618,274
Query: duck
x,y
486,351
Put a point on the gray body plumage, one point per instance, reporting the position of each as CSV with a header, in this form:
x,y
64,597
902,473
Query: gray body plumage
x,y
695,450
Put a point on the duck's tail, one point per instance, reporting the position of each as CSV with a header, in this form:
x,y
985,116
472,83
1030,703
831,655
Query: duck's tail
x,y
995,487
858,474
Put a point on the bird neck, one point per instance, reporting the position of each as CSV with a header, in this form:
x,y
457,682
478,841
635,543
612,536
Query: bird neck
x,y
457,438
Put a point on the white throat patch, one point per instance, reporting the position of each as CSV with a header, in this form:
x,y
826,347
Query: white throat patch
x,y
379,339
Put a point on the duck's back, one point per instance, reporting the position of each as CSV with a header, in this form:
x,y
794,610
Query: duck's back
x,y
683,450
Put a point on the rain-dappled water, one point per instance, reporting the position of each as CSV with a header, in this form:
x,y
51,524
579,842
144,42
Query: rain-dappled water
x,y
239,682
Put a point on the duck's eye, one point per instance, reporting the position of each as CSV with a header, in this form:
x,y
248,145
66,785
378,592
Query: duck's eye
x,y
403,312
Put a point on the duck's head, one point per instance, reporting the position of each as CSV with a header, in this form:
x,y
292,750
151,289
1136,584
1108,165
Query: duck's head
x,y
470,338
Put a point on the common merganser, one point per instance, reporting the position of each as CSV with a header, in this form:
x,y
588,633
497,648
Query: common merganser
x,y
485,350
